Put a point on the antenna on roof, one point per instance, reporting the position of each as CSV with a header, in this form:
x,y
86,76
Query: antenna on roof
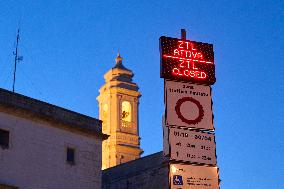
x,y
17,58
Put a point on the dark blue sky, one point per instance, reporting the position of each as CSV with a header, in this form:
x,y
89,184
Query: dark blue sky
x,y
69,45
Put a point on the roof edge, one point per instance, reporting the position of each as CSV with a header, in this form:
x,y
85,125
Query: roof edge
x,y
70,118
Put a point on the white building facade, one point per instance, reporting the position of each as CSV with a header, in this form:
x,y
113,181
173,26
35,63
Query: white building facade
x,y
43,146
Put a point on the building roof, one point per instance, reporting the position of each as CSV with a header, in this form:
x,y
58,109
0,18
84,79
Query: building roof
x,y
135,167
72,120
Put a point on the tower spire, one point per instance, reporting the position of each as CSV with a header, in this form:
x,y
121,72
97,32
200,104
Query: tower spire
x,y
118,59
119,64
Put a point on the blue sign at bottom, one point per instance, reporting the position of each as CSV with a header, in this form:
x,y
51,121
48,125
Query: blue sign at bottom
x,y
177,180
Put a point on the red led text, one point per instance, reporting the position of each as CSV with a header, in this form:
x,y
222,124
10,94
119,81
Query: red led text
x,y
188,69
188,57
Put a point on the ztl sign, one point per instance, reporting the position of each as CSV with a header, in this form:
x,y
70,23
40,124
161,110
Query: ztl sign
x,y
187,60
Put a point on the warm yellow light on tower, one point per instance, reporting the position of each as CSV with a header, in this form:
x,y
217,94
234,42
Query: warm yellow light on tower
x,y
126,111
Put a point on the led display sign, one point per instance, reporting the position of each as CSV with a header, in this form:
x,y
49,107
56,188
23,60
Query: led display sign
x,y
186,60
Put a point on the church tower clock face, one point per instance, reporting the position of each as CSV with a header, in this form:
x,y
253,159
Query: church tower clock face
x,y
126,111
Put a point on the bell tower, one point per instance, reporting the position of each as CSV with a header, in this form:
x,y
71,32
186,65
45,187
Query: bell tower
x,y
118,109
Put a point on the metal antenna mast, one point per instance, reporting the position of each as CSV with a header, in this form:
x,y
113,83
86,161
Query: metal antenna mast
x,y
17,58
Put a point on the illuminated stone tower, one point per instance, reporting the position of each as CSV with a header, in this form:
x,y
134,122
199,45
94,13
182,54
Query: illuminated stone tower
x,y
118,109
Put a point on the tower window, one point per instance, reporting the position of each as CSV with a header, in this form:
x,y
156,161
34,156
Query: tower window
x,y
4,139
126,111
70,156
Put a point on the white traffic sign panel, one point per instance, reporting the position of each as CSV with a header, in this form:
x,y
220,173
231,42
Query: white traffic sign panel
x,y
188,105
193,177
192,146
